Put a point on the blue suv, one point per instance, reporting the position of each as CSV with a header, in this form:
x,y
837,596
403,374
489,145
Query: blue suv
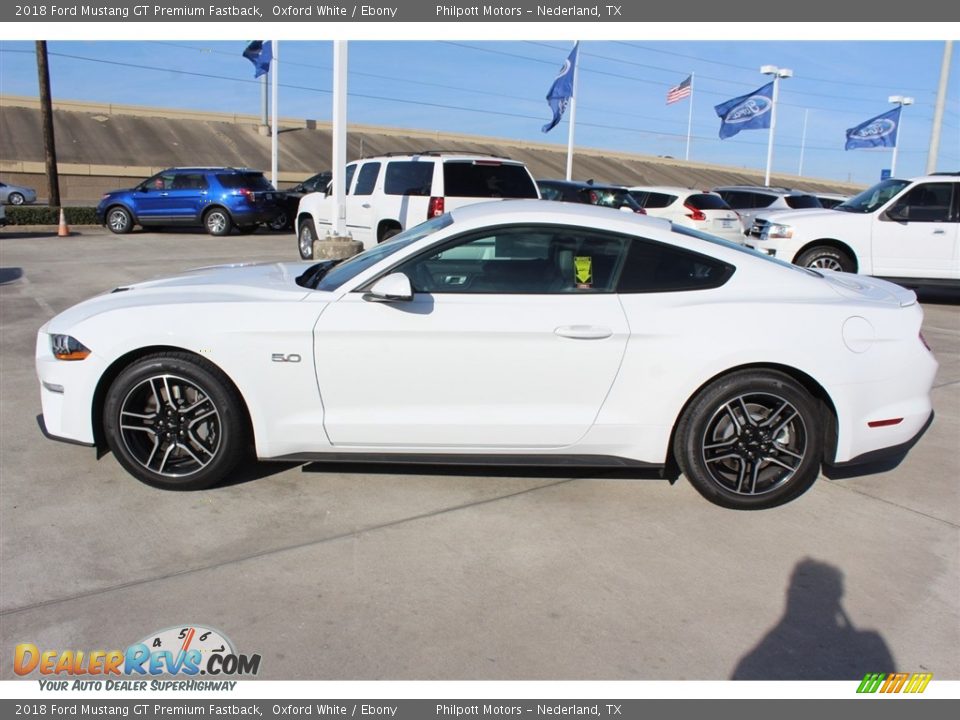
x,y
218,199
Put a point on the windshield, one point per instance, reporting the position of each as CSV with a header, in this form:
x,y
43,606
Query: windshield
x,y
739,248
874,197
335,276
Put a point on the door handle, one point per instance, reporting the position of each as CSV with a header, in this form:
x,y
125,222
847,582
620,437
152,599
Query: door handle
x,y
164,194
583,332
939,231
365,205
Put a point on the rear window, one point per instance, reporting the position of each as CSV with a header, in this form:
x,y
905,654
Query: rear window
x,y
802,202
705,201
249,181
483,180
657,200
408,178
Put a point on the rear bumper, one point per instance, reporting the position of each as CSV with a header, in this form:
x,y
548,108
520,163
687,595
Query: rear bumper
x,y
880,460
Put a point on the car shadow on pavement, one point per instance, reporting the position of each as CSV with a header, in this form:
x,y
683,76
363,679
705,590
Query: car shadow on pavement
x,y
815,639
10,274
251,471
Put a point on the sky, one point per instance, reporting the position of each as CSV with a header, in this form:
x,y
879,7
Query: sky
x,y
498,89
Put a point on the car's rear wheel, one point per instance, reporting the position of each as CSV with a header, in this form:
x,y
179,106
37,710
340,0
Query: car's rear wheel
x,y
281,221
175,422
218,222
750,440
306,238
824,257
15,198
389,233
119,220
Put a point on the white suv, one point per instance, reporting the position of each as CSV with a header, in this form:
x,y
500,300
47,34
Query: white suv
x,y
908,230
697,209
389,193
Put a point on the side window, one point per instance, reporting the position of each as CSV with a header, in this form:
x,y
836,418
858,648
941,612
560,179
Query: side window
x,y
163,181
929,202
367,179
189,181
659,200
655,267
550,193
521,261
405,177
351,170
761,200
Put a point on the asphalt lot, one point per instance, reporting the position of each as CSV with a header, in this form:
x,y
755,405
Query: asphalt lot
x,y
360,572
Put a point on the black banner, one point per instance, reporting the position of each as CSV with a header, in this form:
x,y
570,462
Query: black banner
x,y
517,11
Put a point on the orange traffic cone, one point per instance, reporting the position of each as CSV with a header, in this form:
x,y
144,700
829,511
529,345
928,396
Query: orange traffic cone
x,y
63,230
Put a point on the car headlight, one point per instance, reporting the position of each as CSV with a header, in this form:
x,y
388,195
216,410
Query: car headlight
x,y
777,231
66,347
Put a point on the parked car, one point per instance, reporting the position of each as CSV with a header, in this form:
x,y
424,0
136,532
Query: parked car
x,y
907,230
290,199
830,200
17,194
697,209
523,332
389,193
589,192
748,200
217,198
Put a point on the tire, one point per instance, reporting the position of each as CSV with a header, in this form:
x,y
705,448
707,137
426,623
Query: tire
x,y
15,198
175,422
280,221
247,229
750,440
306,237
824,257
119,220
218,222
389,233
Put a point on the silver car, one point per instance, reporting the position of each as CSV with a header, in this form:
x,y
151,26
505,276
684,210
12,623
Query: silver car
x,y
16,194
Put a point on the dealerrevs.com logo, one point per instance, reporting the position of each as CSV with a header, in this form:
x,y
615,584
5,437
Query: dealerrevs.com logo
x,y
894,682
186,651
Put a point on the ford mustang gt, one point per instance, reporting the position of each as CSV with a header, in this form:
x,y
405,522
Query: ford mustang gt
x,y
516,333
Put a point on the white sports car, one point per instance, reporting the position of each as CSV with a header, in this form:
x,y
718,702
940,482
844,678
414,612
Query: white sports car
x,y
520,332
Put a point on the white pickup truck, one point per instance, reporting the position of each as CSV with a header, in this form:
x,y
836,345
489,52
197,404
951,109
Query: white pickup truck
x,y
906,230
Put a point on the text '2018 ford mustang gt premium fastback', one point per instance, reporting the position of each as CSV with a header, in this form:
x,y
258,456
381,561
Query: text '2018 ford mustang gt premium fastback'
x,y
515,333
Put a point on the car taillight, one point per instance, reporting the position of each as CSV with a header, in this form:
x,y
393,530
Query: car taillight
x,y
695,214
247,193
435,208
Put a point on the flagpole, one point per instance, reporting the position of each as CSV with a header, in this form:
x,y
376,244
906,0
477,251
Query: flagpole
x,y
573,116
777,74
803,140
690,118
274,145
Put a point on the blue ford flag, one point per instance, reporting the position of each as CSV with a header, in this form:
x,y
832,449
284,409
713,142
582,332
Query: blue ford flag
x,y
747,112
879,131
260,53
562,89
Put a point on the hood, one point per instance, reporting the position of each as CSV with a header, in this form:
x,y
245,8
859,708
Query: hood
x,y
242,282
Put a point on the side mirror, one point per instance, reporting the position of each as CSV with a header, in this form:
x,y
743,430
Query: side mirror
x,y
392,288
899,213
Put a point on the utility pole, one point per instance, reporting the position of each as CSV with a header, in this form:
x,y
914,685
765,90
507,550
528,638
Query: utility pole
x,y
46,114
938,110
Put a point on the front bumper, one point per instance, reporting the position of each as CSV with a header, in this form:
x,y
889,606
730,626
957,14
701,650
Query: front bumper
x,y
67,393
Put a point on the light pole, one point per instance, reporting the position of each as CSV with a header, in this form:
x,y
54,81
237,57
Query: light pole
x,y
900,100
777,74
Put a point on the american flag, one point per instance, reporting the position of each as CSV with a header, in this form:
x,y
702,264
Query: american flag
x,y
680,91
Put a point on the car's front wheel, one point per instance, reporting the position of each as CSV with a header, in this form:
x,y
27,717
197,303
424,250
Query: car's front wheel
x,y
306,237
825,257
15,198
218,222
175,422
280,221
119,220
750,440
